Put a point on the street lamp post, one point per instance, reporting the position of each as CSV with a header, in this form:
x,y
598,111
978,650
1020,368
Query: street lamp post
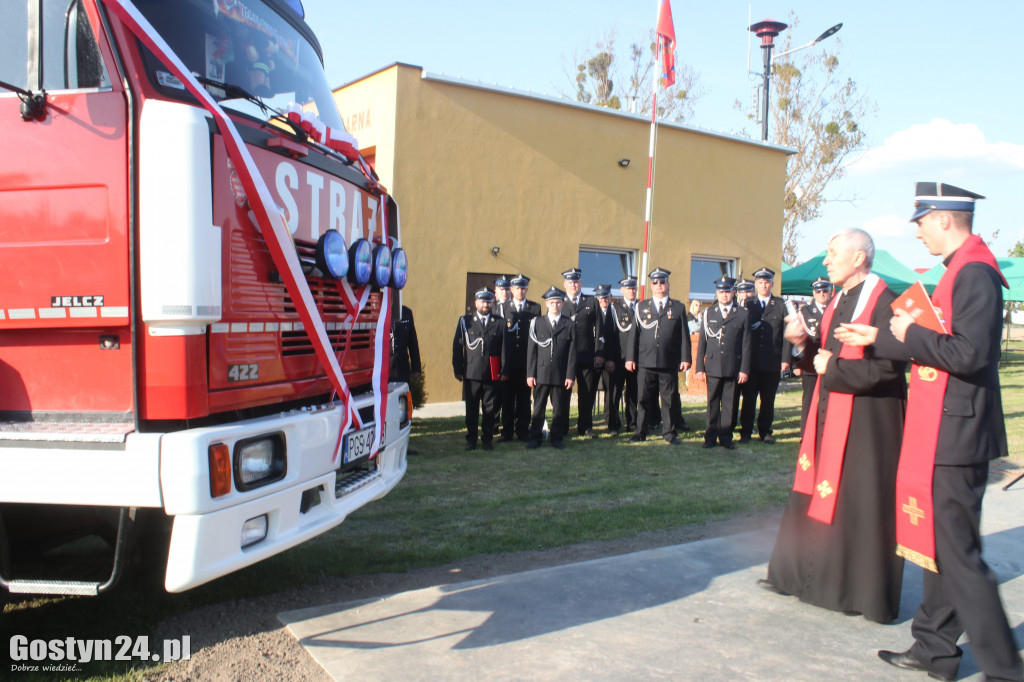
x,y
767,30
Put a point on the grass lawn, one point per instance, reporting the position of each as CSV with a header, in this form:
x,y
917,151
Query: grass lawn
x,y
454,504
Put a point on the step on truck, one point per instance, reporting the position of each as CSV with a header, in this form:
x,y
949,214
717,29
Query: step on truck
x,y
198,271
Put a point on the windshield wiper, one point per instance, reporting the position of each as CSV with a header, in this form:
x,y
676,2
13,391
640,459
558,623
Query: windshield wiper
x,y
232,91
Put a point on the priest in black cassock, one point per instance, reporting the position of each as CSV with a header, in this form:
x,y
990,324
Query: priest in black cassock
x,y
836,546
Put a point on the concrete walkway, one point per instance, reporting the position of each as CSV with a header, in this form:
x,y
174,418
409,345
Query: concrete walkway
x,y
688,612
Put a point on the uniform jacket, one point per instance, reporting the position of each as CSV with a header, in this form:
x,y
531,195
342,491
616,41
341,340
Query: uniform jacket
x,y
812,318
517,331
405,348
609,333
475,344
723,345
585,315
551,355
766,327
659,341
972,430
624,320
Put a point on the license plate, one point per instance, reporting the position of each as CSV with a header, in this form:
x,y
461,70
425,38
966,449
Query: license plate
x,y
358,444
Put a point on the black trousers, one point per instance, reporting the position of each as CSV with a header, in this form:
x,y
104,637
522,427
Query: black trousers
x,y
655,384
763,385
964,596
479,394
587,377
515,405
625,383
611,383
721,409
559,426
808,380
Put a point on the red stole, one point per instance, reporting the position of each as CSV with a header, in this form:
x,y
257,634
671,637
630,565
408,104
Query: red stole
x,y
821,480
915,530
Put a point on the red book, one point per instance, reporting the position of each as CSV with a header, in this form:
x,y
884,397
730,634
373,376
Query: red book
x,y
495,367
916,302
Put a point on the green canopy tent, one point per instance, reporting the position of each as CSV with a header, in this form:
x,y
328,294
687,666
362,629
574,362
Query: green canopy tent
x,y
797,280
1013,271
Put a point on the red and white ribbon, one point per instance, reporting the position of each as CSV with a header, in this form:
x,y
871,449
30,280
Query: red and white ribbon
x,y
268,217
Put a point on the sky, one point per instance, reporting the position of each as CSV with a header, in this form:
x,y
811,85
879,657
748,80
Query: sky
x,y
944,77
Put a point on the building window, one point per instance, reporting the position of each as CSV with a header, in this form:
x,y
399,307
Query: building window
x,y
605,266
704,270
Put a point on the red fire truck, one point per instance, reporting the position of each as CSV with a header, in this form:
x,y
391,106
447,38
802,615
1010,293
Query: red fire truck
x,y
197,271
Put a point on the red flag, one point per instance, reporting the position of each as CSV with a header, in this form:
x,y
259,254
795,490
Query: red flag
x,y
666,44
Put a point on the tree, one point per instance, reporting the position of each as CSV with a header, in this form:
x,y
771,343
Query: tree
x,y
597,79
818,112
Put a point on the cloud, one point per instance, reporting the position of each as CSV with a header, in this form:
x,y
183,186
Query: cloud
x,y
889,226
939,140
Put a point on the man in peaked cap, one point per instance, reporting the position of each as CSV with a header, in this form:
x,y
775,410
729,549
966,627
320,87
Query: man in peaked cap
x,y
477,361
583,311
767,322
723,360
517,312
501,293
954,427
612,355
804,332
624,389
550,369
657,350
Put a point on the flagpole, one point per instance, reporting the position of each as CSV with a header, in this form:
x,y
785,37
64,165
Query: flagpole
x,y
650,182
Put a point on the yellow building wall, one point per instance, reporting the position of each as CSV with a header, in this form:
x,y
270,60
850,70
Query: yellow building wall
x,y
473,168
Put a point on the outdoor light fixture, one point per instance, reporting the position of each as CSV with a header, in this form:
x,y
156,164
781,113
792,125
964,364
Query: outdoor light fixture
x,y
381,265
399,268
332,254
767,30
494,251
624,162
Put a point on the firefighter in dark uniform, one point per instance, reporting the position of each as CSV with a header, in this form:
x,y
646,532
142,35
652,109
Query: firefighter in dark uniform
x,y
744,292
612,355
502,294
658,349
550,369
477,362
405,348
767,324
515,394
803,357
624,389
723,360
583,310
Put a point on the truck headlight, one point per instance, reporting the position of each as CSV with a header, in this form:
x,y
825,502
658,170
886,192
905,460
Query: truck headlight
x,y
399,268
361,256
332,255
259,461
381,265
254,530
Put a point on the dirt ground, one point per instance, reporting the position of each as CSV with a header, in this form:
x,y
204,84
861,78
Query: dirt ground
x,y
244,641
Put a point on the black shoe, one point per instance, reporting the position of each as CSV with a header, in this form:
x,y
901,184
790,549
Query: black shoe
x,y
907,661
488,445
708,445
505,439
771,587
744,438
670,440
683,428
768,440
533,445
637,438
558,445
410,451
470,446
728,445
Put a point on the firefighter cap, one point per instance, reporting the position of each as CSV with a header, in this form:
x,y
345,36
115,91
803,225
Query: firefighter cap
x,y
554,293
572,275
520,280
821,284
603,290
628,282
765,273
485,295
501,283
938,196
659,275
725,284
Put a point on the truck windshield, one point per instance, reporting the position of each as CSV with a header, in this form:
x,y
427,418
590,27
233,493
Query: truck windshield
x,y
242,43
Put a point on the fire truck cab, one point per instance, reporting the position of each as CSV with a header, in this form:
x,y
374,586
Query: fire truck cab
x,y
163,380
